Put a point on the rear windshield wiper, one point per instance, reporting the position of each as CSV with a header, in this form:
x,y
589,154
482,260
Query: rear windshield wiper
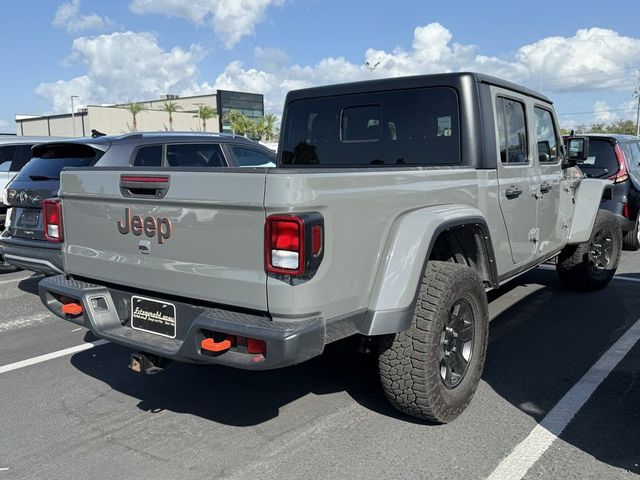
x,y
37,178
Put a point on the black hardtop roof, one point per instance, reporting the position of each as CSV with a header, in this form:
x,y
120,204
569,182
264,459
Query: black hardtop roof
x,y
415,81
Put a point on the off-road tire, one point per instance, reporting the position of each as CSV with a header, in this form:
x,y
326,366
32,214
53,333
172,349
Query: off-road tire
x,y
576,266
410,361
631,239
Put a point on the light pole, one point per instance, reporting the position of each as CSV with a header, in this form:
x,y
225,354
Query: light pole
x,y
73,114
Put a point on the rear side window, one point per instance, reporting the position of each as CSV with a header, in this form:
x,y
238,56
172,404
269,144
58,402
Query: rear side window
x,y
150,156
419,127
546,136
602,160
201,155
512,131
6,157
250,157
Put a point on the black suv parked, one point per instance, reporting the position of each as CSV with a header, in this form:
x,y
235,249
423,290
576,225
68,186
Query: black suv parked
x,y
617,158
26,244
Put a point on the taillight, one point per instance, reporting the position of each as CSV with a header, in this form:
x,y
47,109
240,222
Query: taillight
x,y
52,209
623,170
294,244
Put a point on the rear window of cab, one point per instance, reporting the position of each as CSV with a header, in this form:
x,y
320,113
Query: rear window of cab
x,y
418,127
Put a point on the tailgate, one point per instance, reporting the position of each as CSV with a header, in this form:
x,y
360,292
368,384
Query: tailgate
x,y
200,237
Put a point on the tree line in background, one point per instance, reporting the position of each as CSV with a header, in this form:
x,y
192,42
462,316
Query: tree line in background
x,y
264,128
624,127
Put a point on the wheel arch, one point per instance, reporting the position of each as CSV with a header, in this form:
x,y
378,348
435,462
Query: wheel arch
x,y
416,238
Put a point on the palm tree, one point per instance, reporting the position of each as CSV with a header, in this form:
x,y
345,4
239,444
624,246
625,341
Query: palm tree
x,y
205,112
135,108
240,124
170,108
269,123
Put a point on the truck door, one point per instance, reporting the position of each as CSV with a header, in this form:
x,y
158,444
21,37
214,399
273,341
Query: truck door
x,y
549,191
516,175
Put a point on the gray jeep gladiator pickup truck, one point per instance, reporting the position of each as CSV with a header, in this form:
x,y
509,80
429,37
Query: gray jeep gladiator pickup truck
x,y
395,206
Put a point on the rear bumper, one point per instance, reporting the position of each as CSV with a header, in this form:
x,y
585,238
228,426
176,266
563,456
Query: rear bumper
x,y
287,343
32,255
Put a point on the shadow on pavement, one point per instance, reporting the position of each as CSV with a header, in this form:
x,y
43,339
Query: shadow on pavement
x,y
237,397
540,346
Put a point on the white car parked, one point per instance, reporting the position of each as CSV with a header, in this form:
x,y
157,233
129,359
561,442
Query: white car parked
x,y
15,152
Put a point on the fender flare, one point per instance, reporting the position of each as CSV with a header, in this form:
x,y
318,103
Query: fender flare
x,y
587,199
407,250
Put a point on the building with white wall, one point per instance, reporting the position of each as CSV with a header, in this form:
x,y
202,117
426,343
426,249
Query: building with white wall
x,y
116,119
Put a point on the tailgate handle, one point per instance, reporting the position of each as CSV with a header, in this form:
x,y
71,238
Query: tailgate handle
x,y
155,186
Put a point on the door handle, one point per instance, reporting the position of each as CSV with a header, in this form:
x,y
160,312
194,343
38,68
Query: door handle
x,y
546,187
513,192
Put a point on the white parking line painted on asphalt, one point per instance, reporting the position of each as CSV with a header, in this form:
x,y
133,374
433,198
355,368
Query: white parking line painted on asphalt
x,y
50,356
524,455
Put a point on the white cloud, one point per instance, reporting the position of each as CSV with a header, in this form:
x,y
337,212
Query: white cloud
x,y
231,19
270,59
603,112
594,59
128,65
68,17
124,66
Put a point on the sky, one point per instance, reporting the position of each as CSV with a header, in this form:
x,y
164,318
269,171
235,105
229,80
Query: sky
x,y
586,58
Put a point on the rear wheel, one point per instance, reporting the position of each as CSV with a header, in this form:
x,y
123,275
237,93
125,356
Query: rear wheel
x,y
432,370
631,239
592,265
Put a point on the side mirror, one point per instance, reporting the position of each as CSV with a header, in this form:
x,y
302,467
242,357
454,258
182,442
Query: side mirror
x,y
578,150
544,151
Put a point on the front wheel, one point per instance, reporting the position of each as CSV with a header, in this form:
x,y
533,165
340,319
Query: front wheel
x,y
592,265
432,370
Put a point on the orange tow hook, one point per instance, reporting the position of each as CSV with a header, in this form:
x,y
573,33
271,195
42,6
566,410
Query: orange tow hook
x,y
72,308
210,345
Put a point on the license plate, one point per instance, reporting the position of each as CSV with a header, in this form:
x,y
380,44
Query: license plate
x,y
153,316
29,219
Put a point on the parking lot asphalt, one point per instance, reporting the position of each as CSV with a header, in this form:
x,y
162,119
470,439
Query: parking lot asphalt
x,y
86,415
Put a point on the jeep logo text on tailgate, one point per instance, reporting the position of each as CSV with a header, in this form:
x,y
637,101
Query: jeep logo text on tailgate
x,y
151,226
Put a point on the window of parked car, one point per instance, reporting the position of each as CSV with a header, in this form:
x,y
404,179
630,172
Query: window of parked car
x,y
250,157
195,155
6,157
148,156
21,157
418,127
546,136
602,161
512,131
50,160
202,155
